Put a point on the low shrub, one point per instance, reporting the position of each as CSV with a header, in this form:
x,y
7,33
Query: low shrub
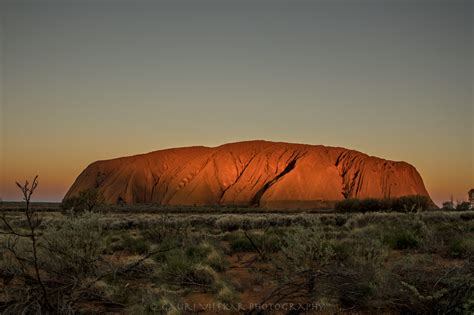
x,y
356,290
116,291
175,264
462,248
192,265
372,205
74,246
155,235
228,223
306,248
340,220
463,206
217,261
207,254
241,244
86,200
336,220
226,295
427,286
314,263
467,216
136,245
67,257
401,239
413,203
271,241
342,250
348,205
180,269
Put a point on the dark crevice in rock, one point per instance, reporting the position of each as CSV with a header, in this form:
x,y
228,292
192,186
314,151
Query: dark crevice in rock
x,y
156,179
349,167
343,169
238,177
259,194
339,158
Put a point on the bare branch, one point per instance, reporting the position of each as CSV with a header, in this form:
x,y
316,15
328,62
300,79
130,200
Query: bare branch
x,y
33,222
11,230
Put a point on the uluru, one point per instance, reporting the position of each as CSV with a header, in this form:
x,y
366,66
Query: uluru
x,y
264,174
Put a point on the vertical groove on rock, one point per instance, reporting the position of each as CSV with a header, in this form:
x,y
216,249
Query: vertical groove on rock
x,y
238,177
256,199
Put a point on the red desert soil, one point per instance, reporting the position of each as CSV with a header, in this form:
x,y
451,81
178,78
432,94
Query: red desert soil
x,y
253,173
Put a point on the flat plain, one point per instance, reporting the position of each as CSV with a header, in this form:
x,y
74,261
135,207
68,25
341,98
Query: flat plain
x,y
145,260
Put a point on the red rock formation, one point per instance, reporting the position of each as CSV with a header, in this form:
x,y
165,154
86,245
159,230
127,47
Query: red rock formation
x,y
261,173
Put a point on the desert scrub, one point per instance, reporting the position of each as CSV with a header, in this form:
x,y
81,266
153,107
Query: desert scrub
x,y
407,204
398,231
271,240
179,269
360,245
9,265
157,233
322,266
400,239
334,219
233,222
116,290
428,286
213,257
238,242
306,248
225,293
228,223
192,265
462,248
467,216
136,245
445,232
68,256
74,245
267,241
386,219
113,243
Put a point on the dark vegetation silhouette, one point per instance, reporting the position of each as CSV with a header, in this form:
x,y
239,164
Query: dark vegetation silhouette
x,y
87,200
407,204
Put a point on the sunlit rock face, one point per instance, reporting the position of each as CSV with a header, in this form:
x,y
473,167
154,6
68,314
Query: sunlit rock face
x,y
251,173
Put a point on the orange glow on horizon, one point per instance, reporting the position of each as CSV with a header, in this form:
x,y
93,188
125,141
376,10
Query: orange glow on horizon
x,y
55,178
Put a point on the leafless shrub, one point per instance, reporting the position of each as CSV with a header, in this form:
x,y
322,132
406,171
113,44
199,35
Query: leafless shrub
x,y
53,268
37,299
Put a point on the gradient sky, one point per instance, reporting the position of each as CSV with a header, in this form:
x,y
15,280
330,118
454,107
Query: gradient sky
x,y
91,80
